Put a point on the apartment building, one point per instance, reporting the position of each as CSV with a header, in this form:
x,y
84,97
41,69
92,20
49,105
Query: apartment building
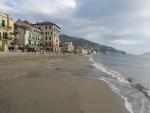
x,y
27,36
67,47
6,31
50,35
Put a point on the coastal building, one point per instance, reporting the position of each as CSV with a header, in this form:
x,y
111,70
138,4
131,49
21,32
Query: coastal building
x,y
28,37
80,50
50,35
67,47
6,31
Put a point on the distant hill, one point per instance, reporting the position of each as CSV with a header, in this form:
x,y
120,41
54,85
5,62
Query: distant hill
x,y
90,45
147,53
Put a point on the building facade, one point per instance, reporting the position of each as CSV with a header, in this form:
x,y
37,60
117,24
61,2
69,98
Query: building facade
x,y
50,35
6,31
67,47
80,50
27,36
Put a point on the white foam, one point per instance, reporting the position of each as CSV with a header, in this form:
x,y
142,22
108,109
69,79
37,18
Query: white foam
x,y
120,79
127,105
116,75
110,72
91,59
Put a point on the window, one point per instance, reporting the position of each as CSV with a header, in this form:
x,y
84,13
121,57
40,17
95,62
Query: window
x,y
45,38
29,35
45,27
5,35
0,36
39,27
49,38
45,43
16,27
29,42
50,43
49,27
46,33
3,23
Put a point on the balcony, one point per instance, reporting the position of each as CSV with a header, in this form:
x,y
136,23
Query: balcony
x,y
3,27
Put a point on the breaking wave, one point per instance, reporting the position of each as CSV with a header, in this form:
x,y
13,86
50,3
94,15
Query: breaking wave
x,y
136,96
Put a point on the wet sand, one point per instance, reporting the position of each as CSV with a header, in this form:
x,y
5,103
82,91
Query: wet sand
x,y
53,84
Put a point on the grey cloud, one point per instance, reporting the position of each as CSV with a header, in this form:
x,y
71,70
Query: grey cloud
x,y
102,21
104,8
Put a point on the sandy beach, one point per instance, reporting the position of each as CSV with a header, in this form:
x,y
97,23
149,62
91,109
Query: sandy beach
x,y
53,84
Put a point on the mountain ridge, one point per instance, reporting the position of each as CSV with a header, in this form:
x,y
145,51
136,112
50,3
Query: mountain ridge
x,y
84,43
146,53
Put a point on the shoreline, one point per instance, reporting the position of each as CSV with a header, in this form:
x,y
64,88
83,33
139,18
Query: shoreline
x,y
133,92
55,84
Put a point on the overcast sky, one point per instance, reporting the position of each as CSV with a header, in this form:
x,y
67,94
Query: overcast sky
x,y
123,24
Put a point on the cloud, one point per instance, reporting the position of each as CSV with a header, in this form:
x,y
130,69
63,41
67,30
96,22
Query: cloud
x,y
46,7
125,42
123,24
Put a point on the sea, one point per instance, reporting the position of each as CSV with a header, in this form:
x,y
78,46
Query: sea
x,y
128,76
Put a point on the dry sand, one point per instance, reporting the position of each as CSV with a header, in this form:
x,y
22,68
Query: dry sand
x,y
53,84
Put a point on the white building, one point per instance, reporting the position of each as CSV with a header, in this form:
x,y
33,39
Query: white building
x,y
67,47
27,36
81,50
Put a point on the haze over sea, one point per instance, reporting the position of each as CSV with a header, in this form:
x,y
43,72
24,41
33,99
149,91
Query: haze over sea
x,y
128,76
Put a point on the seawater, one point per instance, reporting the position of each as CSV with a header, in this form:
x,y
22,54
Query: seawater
x,y
128,76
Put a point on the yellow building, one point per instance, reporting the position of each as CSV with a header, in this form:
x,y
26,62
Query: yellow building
x,y
6,31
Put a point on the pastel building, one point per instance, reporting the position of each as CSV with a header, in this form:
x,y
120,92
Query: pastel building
x,y
27,35
80,50
6,31
50,35
67,47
